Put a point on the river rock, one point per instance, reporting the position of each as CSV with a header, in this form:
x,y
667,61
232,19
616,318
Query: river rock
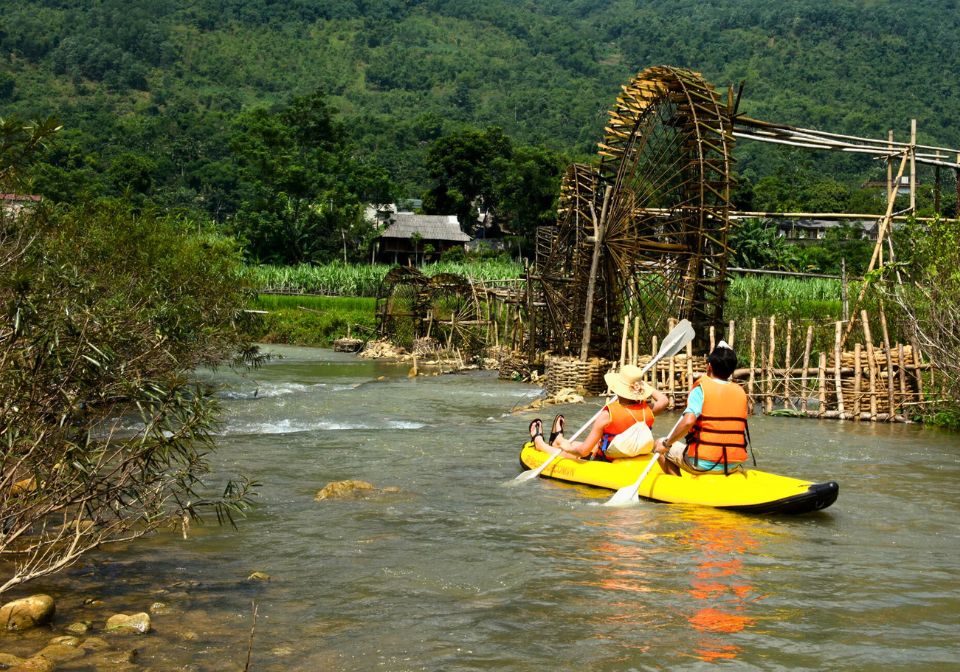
x,y
78,628
343,489
259,576
28,612
66,640
138,623
113,661
35,664
159,608
91,644
60,653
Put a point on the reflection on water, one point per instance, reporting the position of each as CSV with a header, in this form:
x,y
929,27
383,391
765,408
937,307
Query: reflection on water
x,y
456,572
720,582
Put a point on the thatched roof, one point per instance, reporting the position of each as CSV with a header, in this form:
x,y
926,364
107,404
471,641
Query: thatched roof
x,y
430,227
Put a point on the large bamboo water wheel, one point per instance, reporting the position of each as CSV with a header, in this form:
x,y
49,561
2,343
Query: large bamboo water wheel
x,y
645,233
564,255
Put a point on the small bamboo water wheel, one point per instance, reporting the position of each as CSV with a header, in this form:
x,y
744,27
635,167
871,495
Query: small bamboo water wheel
x,y
402,305
455,318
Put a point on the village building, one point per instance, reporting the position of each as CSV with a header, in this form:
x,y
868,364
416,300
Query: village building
x,y
407,238
812,230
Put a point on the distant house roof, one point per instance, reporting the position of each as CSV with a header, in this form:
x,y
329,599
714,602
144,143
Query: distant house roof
x,y
20,197
430,227
13,205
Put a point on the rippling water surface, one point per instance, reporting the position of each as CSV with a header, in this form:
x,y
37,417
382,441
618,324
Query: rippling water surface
x,y
456,571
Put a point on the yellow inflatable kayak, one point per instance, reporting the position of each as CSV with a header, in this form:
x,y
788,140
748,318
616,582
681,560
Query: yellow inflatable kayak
x,y
749,491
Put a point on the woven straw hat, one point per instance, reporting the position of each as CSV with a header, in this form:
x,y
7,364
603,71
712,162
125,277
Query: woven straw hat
x,y
627,383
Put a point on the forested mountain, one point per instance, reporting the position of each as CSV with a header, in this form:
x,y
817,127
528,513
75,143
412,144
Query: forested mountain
x,y
150,92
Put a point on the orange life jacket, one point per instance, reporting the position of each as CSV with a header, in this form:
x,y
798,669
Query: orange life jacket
x,y
623,417
720,433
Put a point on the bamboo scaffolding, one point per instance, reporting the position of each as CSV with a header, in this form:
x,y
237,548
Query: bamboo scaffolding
x,y
836,370
787,401
822,381
857,373
806,365
872,363
886,352
753,358
770,354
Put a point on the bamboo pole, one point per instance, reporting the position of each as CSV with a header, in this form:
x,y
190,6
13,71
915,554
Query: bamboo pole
x,y
916,369
672,384
878,247
913,172
886,350
889,165
531,317
731,333
689,368
937,187
713,338
872,363
806,365
836,369
843,290
623,340
753,357
768,377
857,372
903,377
822,380
598,226
636,339
787,401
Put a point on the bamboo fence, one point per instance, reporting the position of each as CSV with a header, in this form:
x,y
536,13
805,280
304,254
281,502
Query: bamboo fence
x,y
782,375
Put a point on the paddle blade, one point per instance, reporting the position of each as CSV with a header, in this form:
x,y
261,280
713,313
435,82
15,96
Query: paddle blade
x,y
624,497
628,495
531,474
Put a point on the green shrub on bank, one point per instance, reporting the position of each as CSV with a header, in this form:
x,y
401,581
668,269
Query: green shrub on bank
x,y
107,310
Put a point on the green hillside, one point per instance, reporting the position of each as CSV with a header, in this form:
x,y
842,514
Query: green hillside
x,y
150,92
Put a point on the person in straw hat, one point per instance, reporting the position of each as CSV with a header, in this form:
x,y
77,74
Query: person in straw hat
x,y
631,405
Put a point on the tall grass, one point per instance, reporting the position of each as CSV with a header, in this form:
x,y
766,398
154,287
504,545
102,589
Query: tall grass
x,y
818,299
313,320
338,279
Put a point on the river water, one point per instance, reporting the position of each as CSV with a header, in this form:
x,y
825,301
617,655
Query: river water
x,y
458,571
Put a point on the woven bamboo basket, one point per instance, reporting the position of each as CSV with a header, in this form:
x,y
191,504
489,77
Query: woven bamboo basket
x,y
571,373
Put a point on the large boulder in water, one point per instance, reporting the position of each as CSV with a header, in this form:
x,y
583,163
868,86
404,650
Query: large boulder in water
x,y
344,489
28,612
350,489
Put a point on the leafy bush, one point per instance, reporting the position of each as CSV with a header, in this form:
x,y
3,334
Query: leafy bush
x,y
106,313
931,306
